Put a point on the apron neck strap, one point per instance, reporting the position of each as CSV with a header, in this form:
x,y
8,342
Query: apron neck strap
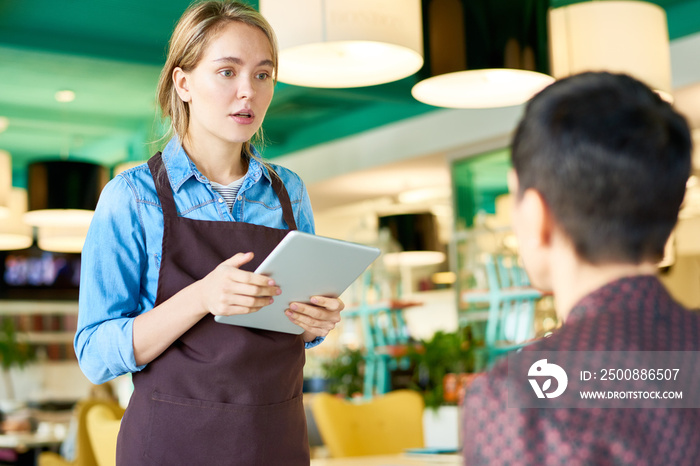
x,y
165,192
160,178
283,196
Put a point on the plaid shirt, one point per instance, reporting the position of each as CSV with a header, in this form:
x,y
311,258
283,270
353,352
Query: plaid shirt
x,y
630,314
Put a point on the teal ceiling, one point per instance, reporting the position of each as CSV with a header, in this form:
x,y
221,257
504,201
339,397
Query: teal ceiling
x,y
109,52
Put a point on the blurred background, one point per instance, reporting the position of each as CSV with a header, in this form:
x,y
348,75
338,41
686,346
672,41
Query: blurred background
x,y
386,163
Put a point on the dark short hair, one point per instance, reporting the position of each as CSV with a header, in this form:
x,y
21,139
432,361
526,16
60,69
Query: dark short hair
x,y
611,160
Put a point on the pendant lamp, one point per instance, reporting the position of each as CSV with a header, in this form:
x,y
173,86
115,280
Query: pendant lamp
x,y
417,235
14,233
5,183
483,53
342,43
124,166
618,36
696,149
62,239
63,193
691,201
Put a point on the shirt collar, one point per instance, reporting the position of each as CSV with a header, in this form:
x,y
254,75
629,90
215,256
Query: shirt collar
x,y
622,290
256,170
180,168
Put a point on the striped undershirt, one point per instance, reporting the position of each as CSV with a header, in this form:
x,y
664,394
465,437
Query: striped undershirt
x,y
229,192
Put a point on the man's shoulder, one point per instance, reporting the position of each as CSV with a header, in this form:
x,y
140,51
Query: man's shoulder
x,y
637,314
491,384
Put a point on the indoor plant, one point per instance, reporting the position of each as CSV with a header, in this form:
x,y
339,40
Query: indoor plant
x,y
345,373
13,352
445,356
445,353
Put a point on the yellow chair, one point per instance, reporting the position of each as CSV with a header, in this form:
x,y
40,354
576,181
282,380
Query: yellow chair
x,y
387,424
83,450
103,428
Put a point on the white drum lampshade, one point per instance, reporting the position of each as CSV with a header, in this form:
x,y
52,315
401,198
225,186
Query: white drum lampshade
x,y
485,88
417,235
341,43
63,193
14,233
618,36
62,239
5,183
696,149
481,55
124,166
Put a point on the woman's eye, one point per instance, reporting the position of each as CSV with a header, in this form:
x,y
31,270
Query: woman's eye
x,y
226,73
262,76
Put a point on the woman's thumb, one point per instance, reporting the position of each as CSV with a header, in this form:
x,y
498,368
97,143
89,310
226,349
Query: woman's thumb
x,y
239,259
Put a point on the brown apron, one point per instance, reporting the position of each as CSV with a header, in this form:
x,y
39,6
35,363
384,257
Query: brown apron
x,y
220,394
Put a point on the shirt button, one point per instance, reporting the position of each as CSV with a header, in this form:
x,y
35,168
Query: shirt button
x,y
240,198
221,200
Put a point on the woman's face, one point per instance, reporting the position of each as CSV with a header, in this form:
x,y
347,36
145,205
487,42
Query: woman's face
x,y
229,91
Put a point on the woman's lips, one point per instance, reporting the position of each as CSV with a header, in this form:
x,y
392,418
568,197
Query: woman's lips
x,y
244,117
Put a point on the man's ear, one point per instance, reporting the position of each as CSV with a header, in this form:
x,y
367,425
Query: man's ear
x,y
537,224
513,183
534,219
181,83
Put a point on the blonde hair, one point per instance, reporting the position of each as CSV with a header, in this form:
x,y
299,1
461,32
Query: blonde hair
x,y
197,27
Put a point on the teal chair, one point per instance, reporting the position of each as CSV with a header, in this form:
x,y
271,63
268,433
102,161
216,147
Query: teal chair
x,y
385,336
511,304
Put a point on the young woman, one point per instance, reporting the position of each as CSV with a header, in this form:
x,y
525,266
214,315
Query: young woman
x,y
173,243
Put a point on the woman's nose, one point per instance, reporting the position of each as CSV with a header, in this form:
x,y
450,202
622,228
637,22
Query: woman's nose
x,y
245,89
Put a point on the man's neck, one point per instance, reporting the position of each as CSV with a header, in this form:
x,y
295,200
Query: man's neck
x,y
574,279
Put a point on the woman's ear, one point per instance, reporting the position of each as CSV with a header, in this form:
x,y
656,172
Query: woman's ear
x,y
181,83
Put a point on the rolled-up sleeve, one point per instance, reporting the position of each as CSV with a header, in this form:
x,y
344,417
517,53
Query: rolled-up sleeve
x,y
112,263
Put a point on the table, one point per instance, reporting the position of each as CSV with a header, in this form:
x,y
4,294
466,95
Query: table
x,y
23,448
391,460
25,440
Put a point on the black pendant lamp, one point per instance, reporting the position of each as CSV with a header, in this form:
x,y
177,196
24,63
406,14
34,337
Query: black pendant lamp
x,y
62,196
417,235
483,53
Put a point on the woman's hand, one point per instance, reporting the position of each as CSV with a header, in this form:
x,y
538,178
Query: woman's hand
x,y
226,290
318,318
229,290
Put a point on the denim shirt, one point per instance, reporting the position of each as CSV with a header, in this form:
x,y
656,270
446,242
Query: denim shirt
x,y
122,251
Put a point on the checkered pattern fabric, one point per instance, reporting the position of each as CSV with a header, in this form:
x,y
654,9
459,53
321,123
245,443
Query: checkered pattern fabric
x,y
630,314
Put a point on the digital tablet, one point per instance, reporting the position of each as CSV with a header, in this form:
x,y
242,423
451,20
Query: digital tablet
x,y
305,265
